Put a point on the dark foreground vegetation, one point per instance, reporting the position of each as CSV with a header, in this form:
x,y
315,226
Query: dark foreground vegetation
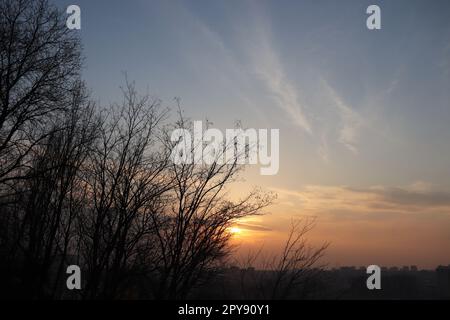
x,y
85,185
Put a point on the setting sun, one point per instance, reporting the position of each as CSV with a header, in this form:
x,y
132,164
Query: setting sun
x,y
235,230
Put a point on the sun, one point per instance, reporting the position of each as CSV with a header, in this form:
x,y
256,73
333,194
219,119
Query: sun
x,y
235,230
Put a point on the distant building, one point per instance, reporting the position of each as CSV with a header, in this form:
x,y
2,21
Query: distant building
x,y
443,279
351,268
234,269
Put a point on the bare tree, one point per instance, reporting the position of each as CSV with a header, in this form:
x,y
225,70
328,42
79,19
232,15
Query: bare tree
x,y
193,230
125,179
285,274
98,187
39,64
48,198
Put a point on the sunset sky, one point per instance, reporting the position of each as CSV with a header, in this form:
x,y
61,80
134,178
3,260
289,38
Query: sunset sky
x,y
364,116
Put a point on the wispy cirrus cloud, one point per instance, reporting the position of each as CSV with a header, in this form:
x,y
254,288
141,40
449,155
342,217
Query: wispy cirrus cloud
x,y
350,121
283,91
315,113
267,65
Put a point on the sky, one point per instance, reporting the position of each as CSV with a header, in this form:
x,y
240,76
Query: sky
x,y
363,114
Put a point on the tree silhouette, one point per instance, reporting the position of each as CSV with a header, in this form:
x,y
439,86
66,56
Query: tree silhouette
x,y
39,68
98,187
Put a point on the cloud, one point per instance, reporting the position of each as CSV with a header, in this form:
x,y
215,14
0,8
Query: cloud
x,y
350,120
395,196
390,225
372,202
251,54
269,68
323,149
252,227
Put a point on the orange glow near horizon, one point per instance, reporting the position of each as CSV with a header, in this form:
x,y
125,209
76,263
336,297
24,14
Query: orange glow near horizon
x,y
235,230
363,225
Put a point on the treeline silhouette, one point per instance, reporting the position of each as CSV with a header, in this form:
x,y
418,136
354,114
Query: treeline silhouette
x,y
95,187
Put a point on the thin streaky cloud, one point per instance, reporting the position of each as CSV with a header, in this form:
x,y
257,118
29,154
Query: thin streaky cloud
x,y
351,121
269,68
323,149
252,227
